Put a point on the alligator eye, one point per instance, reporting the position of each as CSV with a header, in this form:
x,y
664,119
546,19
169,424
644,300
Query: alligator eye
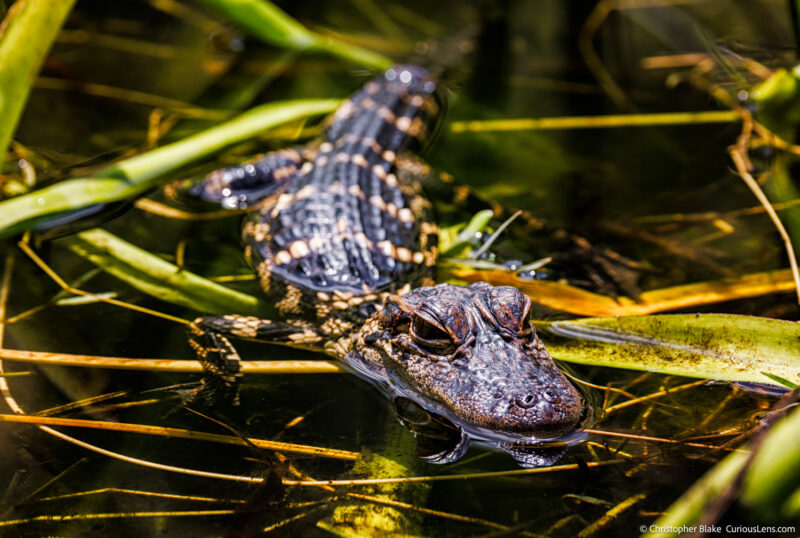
x,y
429,334
426,330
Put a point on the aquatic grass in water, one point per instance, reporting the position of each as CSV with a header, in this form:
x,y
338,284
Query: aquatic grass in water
x,y
642,342
724,347
135,175
159,278
766,480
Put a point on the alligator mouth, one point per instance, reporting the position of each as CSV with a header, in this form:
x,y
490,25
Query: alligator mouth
x,y
565,434
442,440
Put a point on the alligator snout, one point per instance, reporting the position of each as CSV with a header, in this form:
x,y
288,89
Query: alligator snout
x,y
530,395
545,412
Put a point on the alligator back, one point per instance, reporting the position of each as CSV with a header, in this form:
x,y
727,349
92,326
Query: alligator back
x,y
352,224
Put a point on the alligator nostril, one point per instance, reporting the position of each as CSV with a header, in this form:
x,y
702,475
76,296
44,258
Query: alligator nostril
x,y
526,401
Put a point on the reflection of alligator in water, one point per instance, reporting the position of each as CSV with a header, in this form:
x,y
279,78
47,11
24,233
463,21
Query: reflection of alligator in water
x,y
339,235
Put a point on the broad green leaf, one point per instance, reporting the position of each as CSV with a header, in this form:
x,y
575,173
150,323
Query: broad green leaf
x,y
724,347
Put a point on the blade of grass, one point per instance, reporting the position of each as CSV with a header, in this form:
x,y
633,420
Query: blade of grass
x,y
596,122
768,488
453,243
26,34
687,509
775,471
267,22
132,176
66,287
157,277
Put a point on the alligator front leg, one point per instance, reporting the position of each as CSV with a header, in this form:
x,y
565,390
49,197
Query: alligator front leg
x,y
243,186
208,337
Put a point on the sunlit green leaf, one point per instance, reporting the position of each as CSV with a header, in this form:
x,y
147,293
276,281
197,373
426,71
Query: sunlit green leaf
x,y
781,381
687,510
454,240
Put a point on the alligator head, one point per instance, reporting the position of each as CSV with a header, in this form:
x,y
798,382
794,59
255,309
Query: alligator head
x,y
465,362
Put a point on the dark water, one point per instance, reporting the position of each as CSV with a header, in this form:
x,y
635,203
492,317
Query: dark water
x,y
503,60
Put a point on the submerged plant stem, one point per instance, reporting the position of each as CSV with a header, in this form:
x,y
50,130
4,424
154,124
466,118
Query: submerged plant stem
x,y
140,493
60,518
441,478
611,515
652,396
651,439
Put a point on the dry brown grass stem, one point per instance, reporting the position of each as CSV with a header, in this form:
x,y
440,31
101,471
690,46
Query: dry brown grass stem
x,y
180,433
738,153
168,365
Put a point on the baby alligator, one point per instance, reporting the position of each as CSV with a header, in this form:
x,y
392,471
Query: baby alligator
x,y
344,241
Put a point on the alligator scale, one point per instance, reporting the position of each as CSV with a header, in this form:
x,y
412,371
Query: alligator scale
x,y
344,241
